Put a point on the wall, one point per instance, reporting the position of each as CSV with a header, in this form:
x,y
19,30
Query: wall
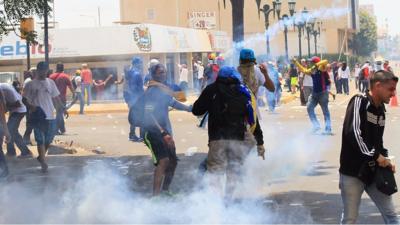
x,y
174,13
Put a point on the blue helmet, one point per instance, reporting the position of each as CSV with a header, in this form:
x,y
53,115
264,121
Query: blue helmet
x,y
229,72
137,60
247,54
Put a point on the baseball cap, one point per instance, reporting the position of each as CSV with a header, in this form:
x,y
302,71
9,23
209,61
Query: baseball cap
x,y
315,59
247,54
153,62
42,66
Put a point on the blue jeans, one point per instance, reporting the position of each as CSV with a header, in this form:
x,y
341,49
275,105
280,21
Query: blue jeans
x,y
44,134
273,99
322,99
339,88
60,120
13,124
88,89
77,96
351,189
345,84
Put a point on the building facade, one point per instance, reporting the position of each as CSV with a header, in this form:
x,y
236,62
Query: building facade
x,y
107,50
338,17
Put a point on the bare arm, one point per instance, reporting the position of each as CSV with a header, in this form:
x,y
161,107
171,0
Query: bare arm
x,y
268,82
58,103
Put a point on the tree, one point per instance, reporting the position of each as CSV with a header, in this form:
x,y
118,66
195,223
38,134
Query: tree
x,y
365,41
238,19
12,11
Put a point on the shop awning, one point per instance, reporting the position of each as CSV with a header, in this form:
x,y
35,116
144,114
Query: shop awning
x,y
111,41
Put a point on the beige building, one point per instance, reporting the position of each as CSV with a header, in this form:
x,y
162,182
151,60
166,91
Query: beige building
x,y
337,18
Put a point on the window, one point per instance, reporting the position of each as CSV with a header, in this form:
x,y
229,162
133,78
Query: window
x,y
151,14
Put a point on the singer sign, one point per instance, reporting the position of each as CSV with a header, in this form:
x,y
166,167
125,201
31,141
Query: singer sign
x,y
202,20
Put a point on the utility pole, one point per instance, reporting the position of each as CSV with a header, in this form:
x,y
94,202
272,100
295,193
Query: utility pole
x,y
98,15
46,31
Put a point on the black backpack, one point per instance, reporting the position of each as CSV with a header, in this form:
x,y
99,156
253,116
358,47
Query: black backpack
x,y
74,85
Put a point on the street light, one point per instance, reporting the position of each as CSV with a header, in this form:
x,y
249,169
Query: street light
x,y
315,33
267,10
310,29
300,24
292,5
285,21
46,31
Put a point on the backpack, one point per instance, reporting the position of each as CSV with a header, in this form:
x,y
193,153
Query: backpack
x,y
232,109
74,85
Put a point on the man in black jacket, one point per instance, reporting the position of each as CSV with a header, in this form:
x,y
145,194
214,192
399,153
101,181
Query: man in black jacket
x,y
362,148
233,128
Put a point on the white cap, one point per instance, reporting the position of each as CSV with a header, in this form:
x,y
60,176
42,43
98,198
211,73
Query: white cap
x,y
153,62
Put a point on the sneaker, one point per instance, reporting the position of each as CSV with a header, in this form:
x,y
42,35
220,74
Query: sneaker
x,y
140,140
168,194
43,164
315,130
133,138
327,132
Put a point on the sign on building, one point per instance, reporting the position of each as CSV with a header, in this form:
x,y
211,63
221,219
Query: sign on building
x,y
202,20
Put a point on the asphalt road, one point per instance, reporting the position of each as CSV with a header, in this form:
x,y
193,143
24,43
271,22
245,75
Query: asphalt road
x,y
297,183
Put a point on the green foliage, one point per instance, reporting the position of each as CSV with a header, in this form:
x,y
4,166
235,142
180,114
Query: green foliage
x,y
12,11
365,42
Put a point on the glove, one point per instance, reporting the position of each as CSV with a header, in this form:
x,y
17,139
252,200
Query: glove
x,y
261,151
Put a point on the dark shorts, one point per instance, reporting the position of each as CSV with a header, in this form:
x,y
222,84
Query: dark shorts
x,y
45,132
157,147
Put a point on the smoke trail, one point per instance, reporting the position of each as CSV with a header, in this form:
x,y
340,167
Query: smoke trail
x,y
253,41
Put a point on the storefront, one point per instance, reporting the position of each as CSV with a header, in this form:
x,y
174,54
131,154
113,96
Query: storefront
x,y
108,49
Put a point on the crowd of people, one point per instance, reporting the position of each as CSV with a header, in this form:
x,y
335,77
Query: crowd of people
x,y
229,99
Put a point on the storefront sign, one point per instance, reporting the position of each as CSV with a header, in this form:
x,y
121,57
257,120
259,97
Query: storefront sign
x,y
202,20
109,41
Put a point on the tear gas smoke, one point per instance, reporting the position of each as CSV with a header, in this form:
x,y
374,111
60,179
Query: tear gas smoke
x,y
103,193
253,41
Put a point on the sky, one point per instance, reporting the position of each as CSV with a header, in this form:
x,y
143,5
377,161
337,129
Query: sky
x,y
386,9
83,13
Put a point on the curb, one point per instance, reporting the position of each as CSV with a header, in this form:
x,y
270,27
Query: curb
x,y
123,108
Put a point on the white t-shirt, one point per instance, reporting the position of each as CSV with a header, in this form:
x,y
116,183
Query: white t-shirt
x,y
344,74
200,70
307,81
41,93
78,82
27,80
357,72
12,96
183,76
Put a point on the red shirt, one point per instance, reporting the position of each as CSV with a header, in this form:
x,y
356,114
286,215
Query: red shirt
x,y
62,82
86,75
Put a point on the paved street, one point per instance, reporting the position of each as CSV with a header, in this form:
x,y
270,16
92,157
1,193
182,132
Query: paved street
x,y
297,183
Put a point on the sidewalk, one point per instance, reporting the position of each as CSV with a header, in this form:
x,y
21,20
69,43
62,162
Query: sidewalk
x,y
120,107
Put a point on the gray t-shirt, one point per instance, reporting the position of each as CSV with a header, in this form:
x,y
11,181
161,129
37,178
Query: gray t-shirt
x,y
41,93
